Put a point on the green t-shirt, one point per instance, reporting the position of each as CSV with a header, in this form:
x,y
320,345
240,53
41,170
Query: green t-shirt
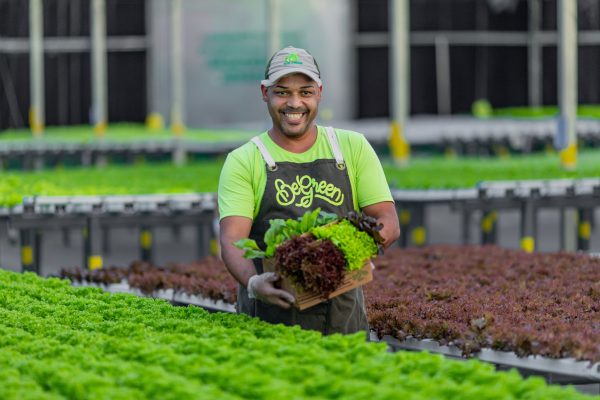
x,y
243,177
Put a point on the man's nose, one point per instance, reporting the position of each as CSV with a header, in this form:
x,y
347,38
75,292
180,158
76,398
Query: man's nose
x,y
294,101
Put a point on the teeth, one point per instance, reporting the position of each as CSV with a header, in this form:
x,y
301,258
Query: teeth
x,y
294,116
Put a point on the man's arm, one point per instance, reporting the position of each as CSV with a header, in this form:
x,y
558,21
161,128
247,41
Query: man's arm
x,y
231,230
385,213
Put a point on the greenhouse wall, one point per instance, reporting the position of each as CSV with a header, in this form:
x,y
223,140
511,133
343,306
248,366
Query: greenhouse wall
x,y
225,52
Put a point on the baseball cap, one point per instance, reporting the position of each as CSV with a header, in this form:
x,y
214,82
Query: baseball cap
x,y
291,60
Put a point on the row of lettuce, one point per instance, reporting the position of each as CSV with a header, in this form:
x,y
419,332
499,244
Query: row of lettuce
x,y
474,297
122,132
203,176
57,341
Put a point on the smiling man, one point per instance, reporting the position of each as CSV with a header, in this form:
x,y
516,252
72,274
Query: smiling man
x,y
294,167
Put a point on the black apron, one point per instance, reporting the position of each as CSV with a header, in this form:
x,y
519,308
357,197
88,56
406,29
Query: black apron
x,y
289,193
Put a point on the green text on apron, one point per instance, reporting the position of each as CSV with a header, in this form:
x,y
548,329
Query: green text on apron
x,y
344,313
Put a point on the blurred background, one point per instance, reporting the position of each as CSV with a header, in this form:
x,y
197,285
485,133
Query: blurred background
x,y
484,112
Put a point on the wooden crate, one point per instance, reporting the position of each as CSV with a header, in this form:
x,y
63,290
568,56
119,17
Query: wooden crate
x,y
306,300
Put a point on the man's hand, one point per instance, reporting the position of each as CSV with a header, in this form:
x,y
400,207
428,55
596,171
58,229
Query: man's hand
x,y
385,213
262,287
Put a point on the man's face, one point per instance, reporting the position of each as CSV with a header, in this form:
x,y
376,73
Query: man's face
x,y
293,103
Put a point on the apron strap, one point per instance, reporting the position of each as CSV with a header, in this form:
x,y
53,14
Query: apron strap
x,y
335,147
265,153
331,138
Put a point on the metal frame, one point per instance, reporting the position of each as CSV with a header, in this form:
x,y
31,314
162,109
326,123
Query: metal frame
x,y
32,153
566,370
95,215
527,196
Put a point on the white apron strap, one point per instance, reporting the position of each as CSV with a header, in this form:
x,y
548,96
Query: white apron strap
x,y
265,153
335,147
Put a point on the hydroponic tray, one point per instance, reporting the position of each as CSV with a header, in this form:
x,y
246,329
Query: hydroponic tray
x,y
564,366
114,204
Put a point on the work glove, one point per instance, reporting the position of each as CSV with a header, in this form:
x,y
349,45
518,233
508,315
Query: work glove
x,y
262,287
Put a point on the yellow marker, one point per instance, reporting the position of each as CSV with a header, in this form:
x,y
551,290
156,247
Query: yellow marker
x,y
528,244
399,147
214,247
568,157
585,230
100,128
502,152
155,122
488,222
404,217
27,255
419,235
146,239
178,128
139,160
449,152
94,262
37,128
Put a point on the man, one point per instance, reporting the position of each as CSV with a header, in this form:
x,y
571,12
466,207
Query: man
x,y
266,178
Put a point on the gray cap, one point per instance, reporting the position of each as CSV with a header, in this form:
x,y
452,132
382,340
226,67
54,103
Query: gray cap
x,y
291,60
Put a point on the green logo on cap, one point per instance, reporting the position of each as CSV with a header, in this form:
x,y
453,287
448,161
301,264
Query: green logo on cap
x,y
293,58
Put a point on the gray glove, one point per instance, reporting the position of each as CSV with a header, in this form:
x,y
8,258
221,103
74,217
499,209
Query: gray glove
x,y
262,287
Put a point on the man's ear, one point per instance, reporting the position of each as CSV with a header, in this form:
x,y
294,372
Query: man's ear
x,y
265,94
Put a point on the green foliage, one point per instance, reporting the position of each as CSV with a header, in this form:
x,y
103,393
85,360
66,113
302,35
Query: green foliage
x,y
112,180
250,247
57,341
583,110
281,230
121,132
482,108
204,176
425,173
357,246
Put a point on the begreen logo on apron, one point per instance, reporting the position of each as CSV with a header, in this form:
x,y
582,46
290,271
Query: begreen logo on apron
x,y
306,189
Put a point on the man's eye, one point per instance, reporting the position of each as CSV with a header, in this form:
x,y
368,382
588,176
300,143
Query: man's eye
x,y
280,93
307,93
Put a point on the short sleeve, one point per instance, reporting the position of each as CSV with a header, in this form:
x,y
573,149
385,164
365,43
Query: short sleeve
x,y
235,193
371,184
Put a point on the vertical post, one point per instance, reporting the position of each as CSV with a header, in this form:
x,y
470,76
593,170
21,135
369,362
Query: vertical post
x,y
105,232
568,227
481,60
404,219
418,232
92,243
146,244
584,228
66,237
534,54
99,74
27,250
400,80
36,55
205,235
177,73
528,233
567,83
154,120
273,18
489,227
442,75
37,251
465,233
